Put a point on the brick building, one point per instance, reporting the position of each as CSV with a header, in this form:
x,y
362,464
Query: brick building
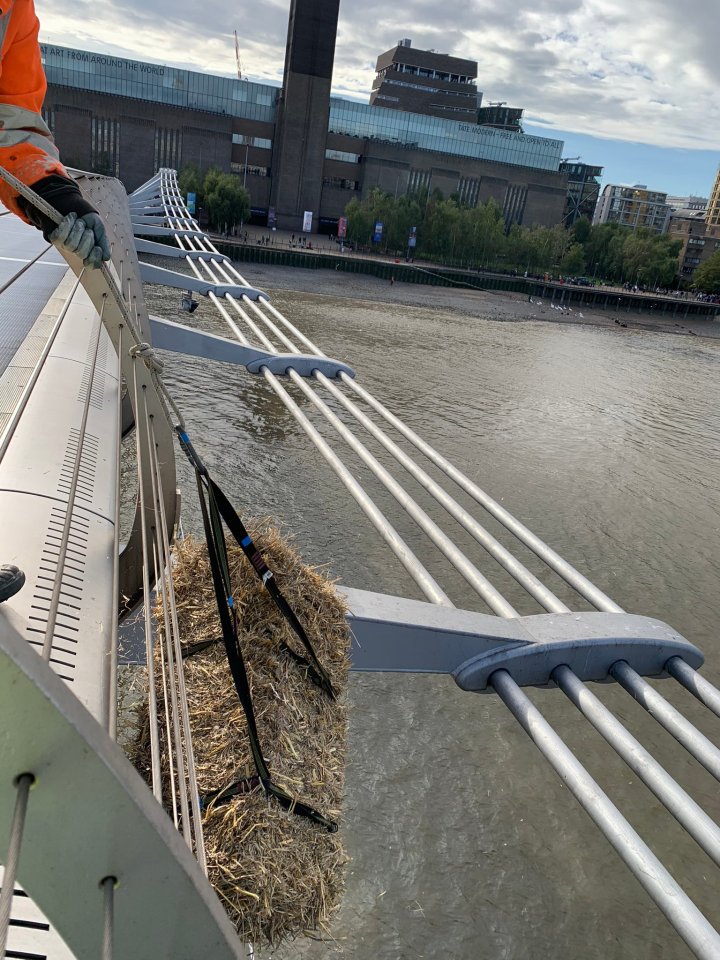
x,y
297,148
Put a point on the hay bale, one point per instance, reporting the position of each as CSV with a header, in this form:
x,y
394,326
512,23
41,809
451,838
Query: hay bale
x,y
278,875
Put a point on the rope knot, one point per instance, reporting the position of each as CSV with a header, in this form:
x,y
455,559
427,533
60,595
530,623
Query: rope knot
x,y
146,353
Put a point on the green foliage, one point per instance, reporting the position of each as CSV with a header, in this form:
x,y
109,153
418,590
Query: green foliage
x,y
707,275
226,200
573,263
452,233
446,230
581,230
190,180
650,259
211,180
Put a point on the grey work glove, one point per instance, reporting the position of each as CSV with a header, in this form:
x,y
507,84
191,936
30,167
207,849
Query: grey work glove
x,y
81,230
84,236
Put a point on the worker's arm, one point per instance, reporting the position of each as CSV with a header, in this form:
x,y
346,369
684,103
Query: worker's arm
x,y
26,145
27,148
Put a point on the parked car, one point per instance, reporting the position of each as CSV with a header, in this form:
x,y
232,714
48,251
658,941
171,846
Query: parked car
x,y
581,282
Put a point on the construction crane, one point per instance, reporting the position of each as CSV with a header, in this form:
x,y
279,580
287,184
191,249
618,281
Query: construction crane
x,y
237,58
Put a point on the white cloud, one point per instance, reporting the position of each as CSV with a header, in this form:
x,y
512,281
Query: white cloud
x,y
645,71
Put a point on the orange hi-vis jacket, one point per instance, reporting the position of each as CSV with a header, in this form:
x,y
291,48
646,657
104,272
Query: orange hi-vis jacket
x,y
27,148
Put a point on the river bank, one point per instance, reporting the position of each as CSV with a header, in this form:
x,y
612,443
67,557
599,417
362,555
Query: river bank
x,y
484,304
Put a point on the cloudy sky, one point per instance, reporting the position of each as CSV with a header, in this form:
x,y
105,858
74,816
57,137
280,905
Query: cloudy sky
x,y
631,84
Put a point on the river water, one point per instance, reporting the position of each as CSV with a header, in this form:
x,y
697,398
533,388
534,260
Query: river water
x,y
465,844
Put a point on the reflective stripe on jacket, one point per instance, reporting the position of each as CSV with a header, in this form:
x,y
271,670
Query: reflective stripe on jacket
x,y
27,147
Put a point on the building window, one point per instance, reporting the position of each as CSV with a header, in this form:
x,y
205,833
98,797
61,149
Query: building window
x,y
442,106
105,146
250,171
341,184
418,180
468,190
249,141
342,155
167,148
514,206
49,118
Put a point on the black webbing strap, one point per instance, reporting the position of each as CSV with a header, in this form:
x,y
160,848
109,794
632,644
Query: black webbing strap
x,y
237,528
190,649
315,671
217,552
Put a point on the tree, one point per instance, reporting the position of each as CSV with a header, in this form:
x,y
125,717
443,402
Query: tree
x,y
649,258
359,221
581,230
707,275
573,263
227,201
190,180
211,180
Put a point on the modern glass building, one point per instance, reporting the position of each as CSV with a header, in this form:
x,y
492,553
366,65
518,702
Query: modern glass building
x,y
633,207
452,137
127,117
160,85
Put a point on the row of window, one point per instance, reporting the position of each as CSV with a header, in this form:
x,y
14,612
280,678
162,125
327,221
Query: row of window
x,y
144,81
468,190
446,109
250,171
342,155
341,183
430,74
105,146
442,135
418,180
514,206
247,140
168,148
472,97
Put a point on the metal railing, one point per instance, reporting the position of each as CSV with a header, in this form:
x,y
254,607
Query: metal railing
x,y
259,322
100,894
122,899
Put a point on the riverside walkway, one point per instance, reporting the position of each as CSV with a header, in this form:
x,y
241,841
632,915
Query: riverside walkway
x,y
279,248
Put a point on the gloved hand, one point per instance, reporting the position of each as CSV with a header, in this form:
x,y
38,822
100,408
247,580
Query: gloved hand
x,y
81,230
84,236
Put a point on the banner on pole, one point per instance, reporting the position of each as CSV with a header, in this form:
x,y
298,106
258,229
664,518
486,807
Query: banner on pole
x,y
342,228
191,198
377,235
307,221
